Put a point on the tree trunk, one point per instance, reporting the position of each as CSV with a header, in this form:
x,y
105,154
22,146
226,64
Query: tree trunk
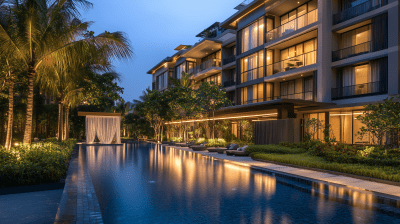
x,y
60,120
66,125
29,107
213,129
162,130
10,115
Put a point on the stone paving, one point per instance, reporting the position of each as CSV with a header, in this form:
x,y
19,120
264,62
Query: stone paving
x,y
32,207
391,192
79,202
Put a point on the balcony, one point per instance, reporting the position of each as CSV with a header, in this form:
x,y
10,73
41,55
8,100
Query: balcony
x,y
297,96
209,66
358,90
229,60
229,83
357,10
352,51
252,101
293,25
292,63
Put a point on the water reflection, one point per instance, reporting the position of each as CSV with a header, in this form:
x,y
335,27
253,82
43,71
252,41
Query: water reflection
x,y
151,184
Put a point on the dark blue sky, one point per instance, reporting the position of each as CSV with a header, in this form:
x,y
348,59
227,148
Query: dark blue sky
x,y
155,28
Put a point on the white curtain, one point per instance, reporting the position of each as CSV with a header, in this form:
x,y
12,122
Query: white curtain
x,y
106,129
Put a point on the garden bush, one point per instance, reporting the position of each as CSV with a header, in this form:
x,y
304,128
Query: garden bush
x,y
218,142
35,164
176,139
274,149
303,145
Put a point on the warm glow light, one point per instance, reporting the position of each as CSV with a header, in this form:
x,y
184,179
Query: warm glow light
x,y
341,114
268,58
16,144
223,118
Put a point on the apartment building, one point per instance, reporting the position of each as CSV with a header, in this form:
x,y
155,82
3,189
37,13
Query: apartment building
x,y
300,59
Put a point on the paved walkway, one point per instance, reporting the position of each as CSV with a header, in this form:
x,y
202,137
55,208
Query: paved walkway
x,y
78,202
391,193
33,207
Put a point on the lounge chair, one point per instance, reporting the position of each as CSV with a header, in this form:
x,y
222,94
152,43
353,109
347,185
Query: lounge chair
x,y
239,152
214,149
201,147
230,147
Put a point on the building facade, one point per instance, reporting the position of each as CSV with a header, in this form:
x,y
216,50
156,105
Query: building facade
x,y
298,59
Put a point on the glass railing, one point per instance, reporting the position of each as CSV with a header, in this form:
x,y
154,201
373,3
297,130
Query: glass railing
x,y
229,83
357,10
352,51
361,89
252,74
293,25
229,60
205,65
252,101
297,96
292,63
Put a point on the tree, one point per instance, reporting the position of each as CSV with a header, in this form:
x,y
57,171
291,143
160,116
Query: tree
x,y
211,98
381,120
50,36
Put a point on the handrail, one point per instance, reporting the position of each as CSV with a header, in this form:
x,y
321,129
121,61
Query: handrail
x,y
253,101
213,62
360,89
352,51
357,10
229,60
308,95
308,58
254,74
293,25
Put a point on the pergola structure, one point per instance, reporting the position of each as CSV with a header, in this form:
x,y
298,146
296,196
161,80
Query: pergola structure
x,y
105,126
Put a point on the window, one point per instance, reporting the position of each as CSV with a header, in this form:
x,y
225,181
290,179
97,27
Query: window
x,y
252,94
316,131
356,41
162,80
252,67
297,89
252,36
216,79
300,11
179,69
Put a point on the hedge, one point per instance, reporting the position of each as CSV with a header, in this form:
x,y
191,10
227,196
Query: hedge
x,y
274,149
35,164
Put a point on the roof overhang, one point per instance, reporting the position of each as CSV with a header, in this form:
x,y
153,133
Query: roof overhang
x,y
204,47
166,60
231,22
84,114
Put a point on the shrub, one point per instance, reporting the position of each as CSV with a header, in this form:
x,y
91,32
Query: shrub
x,y
242,143
176,139
35,164
273,149
303,145
218,142
201,140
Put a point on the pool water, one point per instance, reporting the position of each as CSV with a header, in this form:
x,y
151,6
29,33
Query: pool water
x,y
148,183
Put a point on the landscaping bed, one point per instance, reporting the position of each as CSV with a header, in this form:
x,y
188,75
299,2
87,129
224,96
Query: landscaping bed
x,y
375,162
38,163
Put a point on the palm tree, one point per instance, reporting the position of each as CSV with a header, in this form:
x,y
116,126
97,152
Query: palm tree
x,y
185,80
51,37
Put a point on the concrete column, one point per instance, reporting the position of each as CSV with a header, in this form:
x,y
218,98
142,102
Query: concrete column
x,y
324,53
393,46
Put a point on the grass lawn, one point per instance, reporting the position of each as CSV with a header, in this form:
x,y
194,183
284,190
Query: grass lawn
x,y
304,159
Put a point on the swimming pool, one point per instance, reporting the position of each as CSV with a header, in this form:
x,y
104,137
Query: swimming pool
x,y
148,183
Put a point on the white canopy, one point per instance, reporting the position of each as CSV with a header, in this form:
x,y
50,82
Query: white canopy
x,y
106,128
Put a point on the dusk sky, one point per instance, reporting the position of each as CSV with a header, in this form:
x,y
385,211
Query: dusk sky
x,y
154,28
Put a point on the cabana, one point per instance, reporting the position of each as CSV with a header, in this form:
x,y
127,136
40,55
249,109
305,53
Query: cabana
x,y
105,126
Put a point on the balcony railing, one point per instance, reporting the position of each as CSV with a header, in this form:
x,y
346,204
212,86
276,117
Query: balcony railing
x,y
205,65
357,10
253,101
297,96
361,89
252,74
293,25
292,63
229,60
229,83
352,51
